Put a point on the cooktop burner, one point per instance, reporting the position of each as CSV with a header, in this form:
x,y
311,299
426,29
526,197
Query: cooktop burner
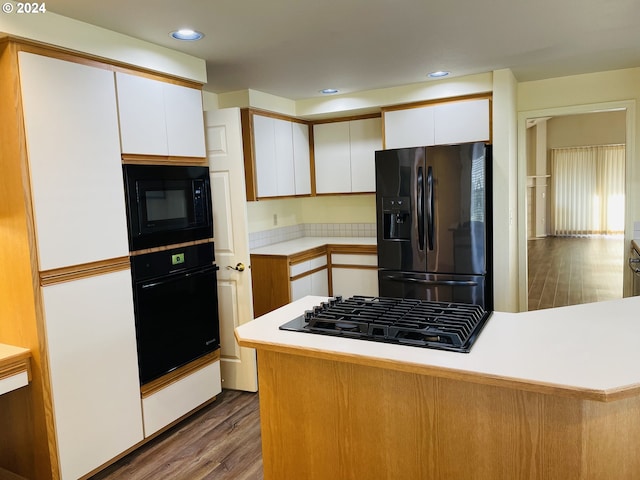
x,y
420,323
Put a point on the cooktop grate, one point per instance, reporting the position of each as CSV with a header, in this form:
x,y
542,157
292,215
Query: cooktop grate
x,y
420,323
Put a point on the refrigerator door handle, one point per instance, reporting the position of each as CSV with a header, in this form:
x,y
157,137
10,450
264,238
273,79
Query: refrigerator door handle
x,y
430,207
455,283
420,208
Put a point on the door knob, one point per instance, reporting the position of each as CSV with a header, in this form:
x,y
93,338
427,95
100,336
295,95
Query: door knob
x,y
239,267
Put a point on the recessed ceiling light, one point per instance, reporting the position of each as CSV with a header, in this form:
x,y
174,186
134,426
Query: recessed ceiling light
x,y
438,74
329,91
186,34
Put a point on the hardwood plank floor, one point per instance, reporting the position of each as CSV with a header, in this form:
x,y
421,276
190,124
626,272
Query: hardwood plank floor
x,y
220,442
570,271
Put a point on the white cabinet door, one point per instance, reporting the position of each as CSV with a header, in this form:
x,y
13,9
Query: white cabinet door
x,y
413,127
159,118
143,128
74,159
185,120
332,157
284,157
301,158
265,156
354,281
365,138
300,287
320,283
94,371
460,122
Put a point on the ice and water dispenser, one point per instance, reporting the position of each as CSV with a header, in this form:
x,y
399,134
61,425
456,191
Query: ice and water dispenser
x,y
396,215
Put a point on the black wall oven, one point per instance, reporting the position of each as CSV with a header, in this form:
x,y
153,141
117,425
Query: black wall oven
x,y
176,308
167,204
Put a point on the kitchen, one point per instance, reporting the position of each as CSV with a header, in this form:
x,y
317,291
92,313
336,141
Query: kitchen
x,y
509,97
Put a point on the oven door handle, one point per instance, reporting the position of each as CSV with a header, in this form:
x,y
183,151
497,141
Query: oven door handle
x,y
178,276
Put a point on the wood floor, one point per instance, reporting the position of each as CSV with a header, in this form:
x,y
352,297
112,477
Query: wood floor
x,y
570,271
221,442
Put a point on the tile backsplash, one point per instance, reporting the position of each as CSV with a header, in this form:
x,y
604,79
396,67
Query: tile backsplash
x,y
276,235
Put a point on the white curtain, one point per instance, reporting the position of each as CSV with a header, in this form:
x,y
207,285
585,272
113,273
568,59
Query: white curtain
x,y
588,190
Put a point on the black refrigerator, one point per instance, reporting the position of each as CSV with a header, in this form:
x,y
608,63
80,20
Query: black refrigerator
x,y
434,229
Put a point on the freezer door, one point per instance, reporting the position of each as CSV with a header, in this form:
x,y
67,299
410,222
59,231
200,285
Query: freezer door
x,y
400,175
434,287
456,209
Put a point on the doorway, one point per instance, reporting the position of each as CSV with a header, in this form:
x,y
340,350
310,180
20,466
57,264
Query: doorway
x,y
560,268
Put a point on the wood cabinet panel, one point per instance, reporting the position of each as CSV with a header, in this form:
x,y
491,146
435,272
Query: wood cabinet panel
x,y
455,429
74,158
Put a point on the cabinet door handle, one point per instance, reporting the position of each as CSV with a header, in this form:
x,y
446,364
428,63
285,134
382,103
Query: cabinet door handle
x,y
239,267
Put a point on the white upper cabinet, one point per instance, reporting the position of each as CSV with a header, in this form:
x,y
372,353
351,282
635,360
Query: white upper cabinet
x,y
159,118
332,157
344,155
71,124
438,124
412,127
365,138
281,156
460,122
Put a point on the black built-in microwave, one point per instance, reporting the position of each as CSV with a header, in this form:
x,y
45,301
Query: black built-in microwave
x,y
167,204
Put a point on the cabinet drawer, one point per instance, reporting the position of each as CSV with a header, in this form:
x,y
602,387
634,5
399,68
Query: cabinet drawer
x,y
307,266
354,259
179,398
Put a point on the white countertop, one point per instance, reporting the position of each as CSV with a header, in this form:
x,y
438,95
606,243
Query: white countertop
x,y
291,247
590,351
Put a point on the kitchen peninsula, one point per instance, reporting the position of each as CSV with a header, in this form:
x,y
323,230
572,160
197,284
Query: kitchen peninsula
x,y
546,394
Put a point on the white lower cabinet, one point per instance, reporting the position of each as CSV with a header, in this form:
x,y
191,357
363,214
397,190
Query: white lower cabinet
x,y
179,398
354,274
91,339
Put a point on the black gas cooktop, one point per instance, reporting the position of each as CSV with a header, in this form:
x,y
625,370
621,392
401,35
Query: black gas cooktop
x,y
419,323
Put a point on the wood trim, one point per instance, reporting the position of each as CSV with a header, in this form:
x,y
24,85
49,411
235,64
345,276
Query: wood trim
x,y
307,255
61,53
248,143
347,118
170,247
142,159
351,266
66,274
17,365
280,116
179,373
352,249
437,101
308,272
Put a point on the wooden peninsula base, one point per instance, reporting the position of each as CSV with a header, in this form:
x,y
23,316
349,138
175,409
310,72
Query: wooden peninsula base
x,y
332,419
541,395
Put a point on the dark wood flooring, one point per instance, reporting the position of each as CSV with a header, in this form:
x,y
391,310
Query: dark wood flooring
x,y
220,442
570,271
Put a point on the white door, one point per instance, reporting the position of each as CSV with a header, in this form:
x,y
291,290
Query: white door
x,y
226,163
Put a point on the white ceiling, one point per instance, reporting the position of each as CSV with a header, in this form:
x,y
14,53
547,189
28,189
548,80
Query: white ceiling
x,y
294,48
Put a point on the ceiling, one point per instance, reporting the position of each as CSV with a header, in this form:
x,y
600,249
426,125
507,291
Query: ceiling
x,y
295,48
